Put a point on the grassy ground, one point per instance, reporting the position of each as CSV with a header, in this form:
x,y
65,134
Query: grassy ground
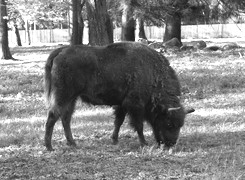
x,y
211,144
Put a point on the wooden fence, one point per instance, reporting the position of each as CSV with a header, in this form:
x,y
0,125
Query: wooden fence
x,y
201,31
152,32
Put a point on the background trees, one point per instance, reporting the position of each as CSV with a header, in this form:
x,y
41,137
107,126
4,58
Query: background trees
x,y
4,45
128,22
99,22
77,21
131,15
32,14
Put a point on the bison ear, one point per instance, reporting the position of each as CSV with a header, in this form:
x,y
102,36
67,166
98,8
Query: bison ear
x,y
189,110
162,108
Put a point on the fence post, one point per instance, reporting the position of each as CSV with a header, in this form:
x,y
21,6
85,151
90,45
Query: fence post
x,y
197,32
222,31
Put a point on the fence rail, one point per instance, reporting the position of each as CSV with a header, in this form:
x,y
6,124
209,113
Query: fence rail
x,y
152,32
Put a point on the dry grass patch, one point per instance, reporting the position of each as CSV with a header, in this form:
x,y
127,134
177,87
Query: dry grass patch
x,y
211,144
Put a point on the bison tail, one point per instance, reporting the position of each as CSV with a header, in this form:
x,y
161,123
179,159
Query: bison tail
x,y
47,79
48,75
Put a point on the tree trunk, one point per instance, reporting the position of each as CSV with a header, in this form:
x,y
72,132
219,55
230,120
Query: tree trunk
x,y
17,33
78,24
99,22
141,29
128,22
28,36
109,29
172,27
69,21
4,44
130,30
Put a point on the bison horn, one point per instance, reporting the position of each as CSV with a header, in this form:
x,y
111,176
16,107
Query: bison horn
x,y
173,109
189,110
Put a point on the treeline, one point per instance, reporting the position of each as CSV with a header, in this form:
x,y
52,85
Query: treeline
x,y
102,16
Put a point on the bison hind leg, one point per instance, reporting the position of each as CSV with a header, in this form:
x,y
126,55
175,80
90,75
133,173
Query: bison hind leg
x,y
64,112
120,114
53,116
66,122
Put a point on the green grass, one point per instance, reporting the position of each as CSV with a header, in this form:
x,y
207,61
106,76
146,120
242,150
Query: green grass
x,y
211,144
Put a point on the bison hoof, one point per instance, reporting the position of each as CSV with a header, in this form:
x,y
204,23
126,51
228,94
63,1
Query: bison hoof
x,y
73,144
50,149
114,141
49,146
142,144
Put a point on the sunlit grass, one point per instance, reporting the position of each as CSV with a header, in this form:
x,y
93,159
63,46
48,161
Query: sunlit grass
x,y
211,143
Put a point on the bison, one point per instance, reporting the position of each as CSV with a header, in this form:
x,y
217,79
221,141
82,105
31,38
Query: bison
x,y
133,78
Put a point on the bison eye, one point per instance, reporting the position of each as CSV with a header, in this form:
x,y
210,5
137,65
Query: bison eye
x,y
170,126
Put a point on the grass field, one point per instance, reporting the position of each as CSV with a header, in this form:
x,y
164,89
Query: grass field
x,y
211,144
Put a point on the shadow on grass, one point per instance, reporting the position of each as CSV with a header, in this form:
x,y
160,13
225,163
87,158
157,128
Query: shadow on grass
x,y
20,61
34,49
208,142
97,129
196,153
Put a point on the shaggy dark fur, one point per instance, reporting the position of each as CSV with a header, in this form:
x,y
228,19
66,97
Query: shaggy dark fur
x,y
134,78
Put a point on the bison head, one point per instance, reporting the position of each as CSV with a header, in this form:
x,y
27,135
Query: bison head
x,y
167,124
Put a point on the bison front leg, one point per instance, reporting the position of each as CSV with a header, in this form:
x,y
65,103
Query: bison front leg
x,y
135,108
136,121
120,114
51,120
140,133
157,135
66,122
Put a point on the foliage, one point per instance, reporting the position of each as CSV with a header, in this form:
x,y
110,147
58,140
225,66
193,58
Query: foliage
x,y
211,144
46,13
224,9
215,11
191,11
115,11
52,13
14,15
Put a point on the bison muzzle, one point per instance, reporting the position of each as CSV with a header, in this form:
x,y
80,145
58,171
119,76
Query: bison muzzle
x,y
133,78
